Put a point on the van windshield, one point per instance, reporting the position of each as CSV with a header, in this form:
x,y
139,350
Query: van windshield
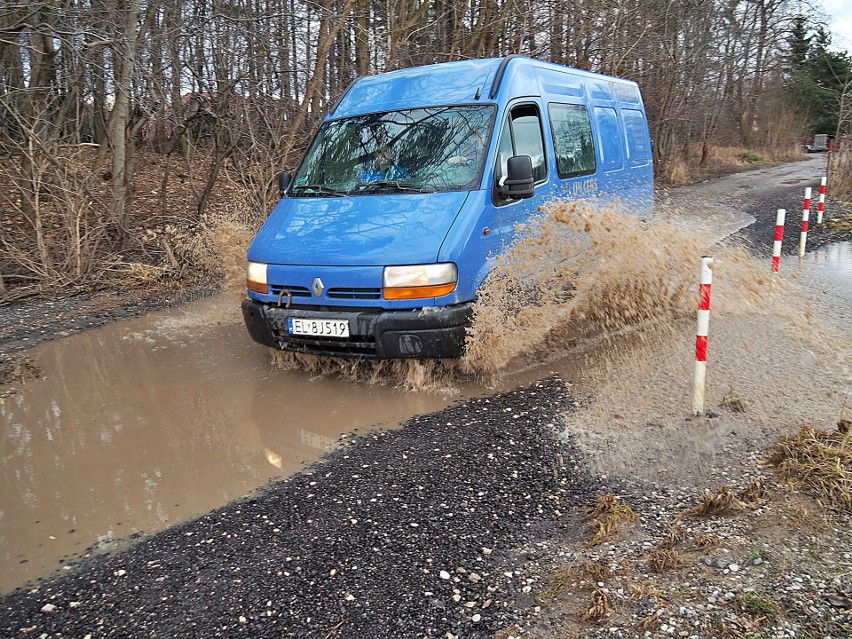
x,y
413,150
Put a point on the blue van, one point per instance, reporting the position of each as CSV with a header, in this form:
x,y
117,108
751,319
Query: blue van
x,y
415,180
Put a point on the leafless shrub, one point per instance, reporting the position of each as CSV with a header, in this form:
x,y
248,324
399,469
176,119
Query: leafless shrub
x,y
63,231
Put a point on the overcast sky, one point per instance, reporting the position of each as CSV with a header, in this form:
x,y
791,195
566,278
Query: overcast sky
x,y
839,14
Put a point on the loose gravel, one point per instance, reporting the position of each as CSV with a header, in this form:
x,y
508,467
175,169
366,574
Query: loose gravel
x,y
418,532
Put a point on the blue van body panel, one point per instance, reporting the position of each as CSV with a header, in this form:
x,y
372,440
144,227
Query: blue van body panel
x,y
437,84
359,230
346,242
470,242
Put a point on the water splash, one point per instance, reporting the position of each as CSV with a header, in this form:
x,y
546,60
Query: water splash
x,y
580,271
577,273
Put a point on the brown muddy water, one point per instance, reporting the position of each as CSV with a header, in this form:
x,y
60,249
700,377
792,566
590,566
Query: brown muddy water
x,y
145,423
148,422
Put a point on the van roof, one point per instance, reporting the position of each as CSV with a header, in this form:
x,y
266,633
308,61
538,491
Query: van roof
x,y
473,81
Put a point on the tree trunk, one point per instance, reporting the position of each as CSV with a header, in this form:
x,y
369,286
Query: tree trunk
x,y
121,114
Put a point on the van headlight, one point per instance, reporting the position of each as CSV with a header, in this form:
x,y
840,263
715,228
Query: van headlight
x,y
420,280
256,277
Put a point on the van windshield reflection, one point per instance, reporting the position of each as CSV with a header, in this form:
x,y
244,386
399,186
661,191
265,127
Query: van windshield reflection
x,y
408,151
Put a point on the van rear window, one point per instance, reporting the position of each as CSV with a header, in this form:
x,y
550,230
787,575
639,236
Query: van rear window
x,y
572,139
638,147
612,140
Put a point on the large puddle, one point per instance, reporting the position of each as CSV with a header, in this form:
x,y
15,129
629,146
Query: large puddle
x,y
148,422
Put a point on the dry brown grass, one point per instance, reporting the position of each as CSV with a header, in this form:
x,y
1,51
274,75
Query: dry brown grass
x,y
703,542
840,176
755,494
818,461
648,623
722,160
567,578
600,606
675,537
663,559
721,502
607,517
594,571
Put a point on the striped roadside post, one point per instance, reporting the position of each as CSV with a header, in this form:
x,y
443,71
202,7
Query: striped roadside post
x,y
821,205
779,236
806,212
706,281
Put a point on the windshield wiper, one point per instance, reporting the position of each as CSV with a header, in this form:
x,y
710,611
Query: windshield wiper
x,y
366,187
317,190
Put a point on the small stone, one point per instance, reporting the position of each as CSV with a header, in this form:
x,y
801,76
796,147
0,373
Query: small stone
x,y
350,597
474,577
243,620
444,574
487,551
734,567
48,608
476,618
120,573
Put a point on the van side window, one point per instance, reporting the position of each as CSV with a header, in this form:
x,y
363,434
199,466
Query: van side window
x,y
638,151
572,139
522,136
612,142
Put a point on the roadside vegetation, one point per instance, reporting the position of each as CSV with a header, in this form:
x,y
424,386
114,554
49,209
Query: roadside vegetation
x,y
123,125
757,561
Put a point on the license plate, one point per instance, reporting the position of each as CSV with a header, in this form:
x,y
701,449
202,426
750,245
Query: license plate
x,y
318,327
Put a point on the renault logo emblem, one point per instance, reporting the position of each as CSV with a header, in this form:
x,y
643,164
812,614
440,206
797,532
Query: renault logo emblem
x,y
317,287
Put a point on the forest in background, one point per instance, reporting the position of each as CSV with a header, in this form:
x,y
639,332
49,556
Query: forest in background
x,y
122,118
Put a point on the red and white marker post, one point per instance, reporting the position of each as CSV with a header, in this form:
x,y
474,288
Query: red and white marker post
x,y
806,212
821,205
706,281
779,237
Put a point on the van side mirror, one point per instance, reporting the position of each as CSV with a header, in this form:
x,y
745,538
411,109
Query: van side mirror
x,y
284,179
518,183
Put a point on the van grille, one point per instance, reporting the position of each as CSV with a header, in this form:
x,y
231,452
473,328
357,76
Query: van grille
x,y
353,346
355,293
295,291
333,293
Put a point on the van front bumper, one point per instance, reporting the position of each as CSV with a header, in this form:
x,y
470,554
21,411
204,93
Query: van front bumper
x,y
428,333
